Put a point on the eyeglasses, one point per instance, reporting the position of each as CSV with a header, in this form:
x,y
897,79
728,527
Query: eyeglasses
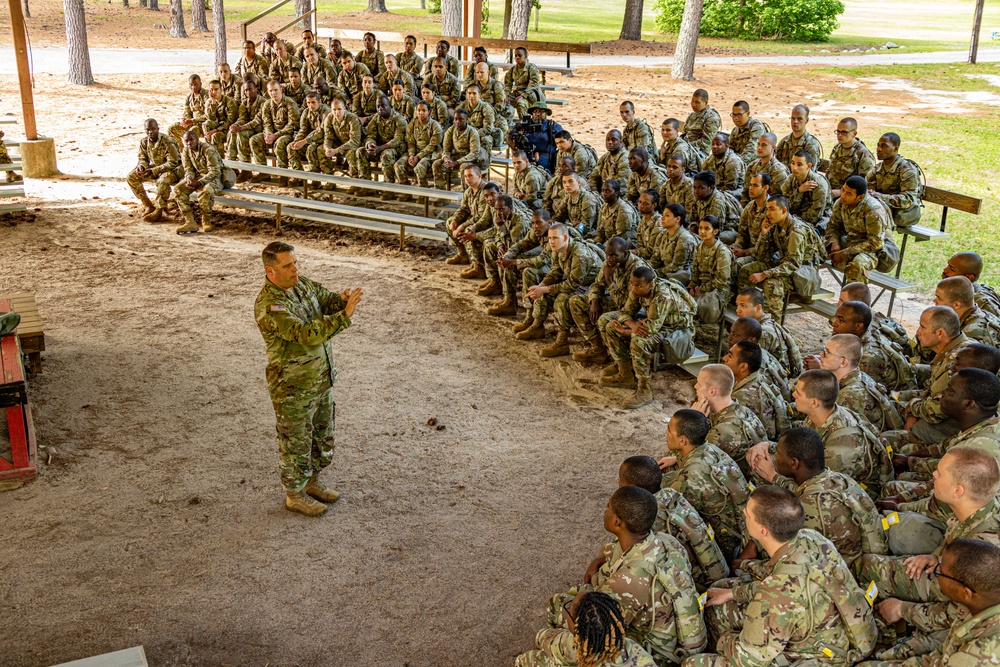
x,y
845,132
569,614
737,115
827,353
939,573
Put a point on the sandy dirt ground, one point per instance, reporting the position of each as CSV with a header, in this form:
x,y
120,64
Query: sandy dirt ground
x,y
157,515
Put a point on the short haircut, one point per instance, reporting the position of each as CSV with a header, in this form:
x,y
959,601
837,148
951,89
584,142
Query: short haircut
x,y
707,177
422,103
491,186
861,312
976,470
806,445
748,352
678,210
294,69
849,122
473,168
893,138
858,184
977,564
801,107
480,49
636,507
692,424
701,94
645,274
750,327
564,134
445,42
821,385
722,137
858,292
719,376
519,154
958,288
779,510
614,184
369,34
193,78
215,82
849,346
755,296
464,113
506,201
981,387
743,105
560,229
673,123
522,50
769,137
944,317
474,85
642,471
780,200
272,250
971,263
628,103
678,157
641,152
981,356
805,155
765,178
312,95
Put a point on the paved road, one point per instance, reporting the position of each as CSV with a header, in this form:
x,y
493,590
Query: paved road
x,y
131,61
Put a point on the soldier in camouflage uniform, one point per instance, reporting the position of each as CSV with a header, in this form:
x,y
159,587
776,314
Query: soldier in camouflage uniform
x,y
203,173
296,89
673,253
735,428
523,83
479,57
309,42
160,161
423,143
895,181
439,110
799,139
613,164
409,60
702,124
442,50
194,111
220,113
554,196
709,201
647,229
513,225
315,66
341,138
617,216
309,138
772,372
583,155
637,133
977,324
679,187
743,138
444,84
668,326
858,391
279,122
891,330
879,359
859,236
492,92
483,118
970,265
248,122
531,258
709,479
673,145
402,102
608,293
753,392
752,219
363,104
391,74
232,85
385,141
461,146
774,338
850,157
766,163
351,74
645,175
282,63
582,205
727,165
801,606
371,57
471,218
297,317
808,192
252,65
529,180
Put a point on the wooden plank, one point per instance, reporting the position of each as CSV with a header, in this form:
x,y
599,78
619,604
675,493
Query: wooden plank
x,y
824,308
12,208
17,428
921,233
8,121
953,200
501,44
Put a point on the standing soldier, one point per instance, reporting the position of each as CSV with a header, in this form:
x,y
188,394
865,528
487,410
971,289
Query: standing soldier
x,y
297,318
159,160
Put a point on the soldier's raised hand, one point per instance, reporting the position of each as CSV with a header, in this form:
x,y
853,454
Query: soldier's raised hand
x,y
353,298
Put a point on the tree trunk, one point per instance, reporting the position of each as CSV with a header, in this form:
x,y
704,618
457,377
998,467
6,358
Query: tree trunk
x,y
219,25
451,17
76,42
144,3
177,19
506,17
377,6
125,4
301,8
198,22
687,40
27,13
154,5
632,23
520,14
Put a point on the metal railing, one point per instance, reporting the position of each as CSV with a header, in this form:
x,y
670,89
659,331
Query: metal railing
x,y
310,15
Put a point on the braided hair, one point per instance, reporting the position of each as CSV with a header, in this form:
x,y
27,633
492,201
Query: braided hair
x,y
600,630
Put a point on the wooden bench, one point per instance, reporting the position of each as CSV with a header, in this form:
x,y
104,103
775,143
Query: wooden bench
x,y
30,330
947,199
19,463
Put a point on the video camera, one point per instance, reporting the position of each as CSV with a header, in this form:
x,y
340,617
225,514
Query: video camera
x,y
518,137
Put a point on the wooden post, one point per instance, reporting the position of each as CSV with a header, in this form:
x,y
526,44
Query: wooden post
x,y
472,24
402,236
977,23
277,218
23,75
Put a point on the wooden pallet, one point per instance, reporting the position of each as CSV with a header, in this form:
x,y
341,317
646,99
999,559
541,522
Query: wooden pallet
x,y
19,462
30,329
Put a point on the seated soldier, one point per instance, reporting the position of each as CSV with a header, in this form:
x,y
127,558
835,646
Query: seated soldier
x,y
385,141
363,104
439,110
581,205
674,145
887,327
423,143
269,46
220,113
315,66
584,155
441,50
710,201
799,139
786,245
616,216
554,195
709,479
392,73
159,160
775,338
850,157
808,192
252,64
512,222
469,216
735,428
444,84
648,229
613,164
461,146
575,266
595,634
636,133
711,280
751,391
203,173
232,85
977,324
749,330
351,75
835,505
309,42
295,89
645,174
279,123
479,57
859,237
800,607
648,574
752,219
529,180
370,56
766,163
327,94
401,101
248,122
483,118
409,60
335,54
194,110
341,139
895,181
743,139
282,63
668,327
702,124
308,141
523,84
492,92
879,357
676,517
970,265
727,165
679,187
608,293
673,253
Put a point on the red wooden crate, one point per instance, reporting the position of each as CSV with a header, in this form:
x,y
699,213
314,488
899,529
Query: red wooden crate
x,y
22,464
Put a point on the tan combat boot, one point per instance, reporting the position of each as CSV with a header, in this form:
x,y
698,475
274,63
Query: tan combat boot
x,y
147,205
386,196
244,176
189,226
504,308
560,348
404,197
643,396
491,287
283,181
594,352
534,332
303,504
624,379
259,178
321,491
610,369
528,320
206,221
473,272
461,257
155,216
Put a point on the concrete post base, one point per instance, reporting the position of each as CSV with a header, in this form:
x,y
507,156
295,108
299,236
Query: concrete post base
x,y
38,158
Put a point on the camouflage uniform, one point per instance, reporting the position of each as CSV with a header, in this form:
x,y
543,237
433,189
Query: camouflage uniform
x,y
297,325
363,104
669,311
507,236
610,290
986,298
463,147
529,185
404,106
344,134
391,131
249,116
282,119
585,160
692,158
897,185
495,95
789,146
722,206
885,365
610,166
852,447
791,612
310,129
447,88
483,118
779,342
794,244
387,78
775,374
162,161
279,68
470,73
194,109
981,326
233,88
767,404
864,234
862,395
652,583
440,113
557,647
412,64
926,405
554,198
581,210
320,50
814,206
892,331
714,485
743,140
451,66
970,640
638,134
673,254
424,141
618,219
350,81
854,160
259,67
774,168
373,60
654,178
985,435
204,164
729,170
297,95
534,260
323,68
524,81
680,193
219,116
751,220
677,517
472,214
701,127
647,234
734,430
573,272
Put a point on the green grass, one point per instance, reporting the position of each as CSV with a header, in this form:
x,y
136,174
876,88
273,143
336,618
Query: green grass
x,y
959,77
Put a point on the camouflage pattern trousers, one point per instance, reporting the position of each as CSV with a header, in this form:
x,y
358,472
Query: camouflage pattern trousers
x,y
474,248
635,350
531,276
238,145
774,289
206,196
163,183
218,140
344,162
280,147
296,156
177,132
305,425
558,305
579,308
418,172
386,160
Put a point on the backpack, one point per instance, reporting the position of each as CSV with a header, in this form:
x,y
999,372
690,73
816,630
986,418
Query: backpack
x,y
652,140
590,151
806,278
876,456
866,517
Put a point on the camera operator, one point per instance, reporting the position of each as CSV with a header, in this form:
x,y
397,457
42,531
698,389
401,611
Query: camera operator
x,y
537,136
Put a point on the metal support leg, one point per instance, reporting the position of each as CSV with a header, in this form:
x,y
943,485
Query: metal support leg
x,y
402,237
277,217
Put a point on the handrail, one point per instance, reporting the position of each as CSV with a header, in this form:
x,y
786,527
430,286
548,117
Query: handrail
x,y
294,21
278,5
